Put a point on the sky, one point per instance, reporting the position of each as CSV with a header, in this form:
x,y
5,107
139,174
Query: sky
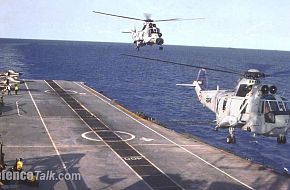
x,y
252,24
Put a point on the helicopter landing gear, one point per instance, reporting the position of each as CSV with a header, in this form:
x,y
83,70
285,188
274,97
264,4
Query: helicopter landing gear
x,y
231,138
160,47
281,139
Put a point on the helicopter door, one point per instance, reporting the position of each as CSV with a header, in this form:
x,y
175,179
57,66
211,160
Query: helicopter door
x,y
222,107
236,105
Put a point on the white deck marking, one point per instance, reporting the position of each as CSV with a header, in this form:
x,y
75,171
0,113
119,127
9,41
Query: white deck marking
x,y
159,144
84,135
53,143
180,146
17,106
46,146
146,139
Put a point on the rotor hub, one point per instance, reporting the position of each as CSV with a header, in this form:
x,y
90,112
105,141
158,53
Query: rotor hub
x,y
253,74
149,20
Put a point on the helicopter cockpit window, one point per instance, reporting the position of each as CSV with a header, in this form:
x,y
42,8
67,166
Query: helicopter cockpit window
x,y
261,107
243,90
286,104
281,106
266,107
272,107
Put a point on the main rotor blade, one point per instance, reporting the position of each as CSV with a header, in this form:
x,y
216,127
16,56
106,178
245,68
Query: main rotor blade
x,y
284,73
192,122
181,64
278,75
118,16
177,19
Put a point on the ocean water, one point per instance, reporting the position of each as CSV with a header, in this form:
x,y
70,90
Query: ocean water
x,y
149,87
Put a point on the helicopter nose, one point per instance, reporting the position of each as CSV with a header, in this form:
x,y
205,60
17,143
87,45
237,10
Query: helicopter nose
x,y
159,41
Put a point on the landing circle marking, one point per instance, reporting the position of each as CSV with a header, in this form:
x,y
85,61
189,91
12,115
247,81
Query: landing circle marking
x,y
131,136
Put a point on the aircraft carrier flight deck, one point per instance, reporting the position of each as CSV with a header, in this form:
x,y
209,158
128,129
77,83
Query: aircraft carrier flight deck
x,y
67,127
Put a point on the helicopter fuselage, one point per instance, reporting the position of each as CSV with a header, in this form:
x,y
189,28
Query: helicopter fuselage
x,y
251,106
149,35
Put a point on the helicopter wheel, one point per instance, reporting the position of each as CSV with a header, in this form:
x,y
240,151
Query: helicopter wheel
x,y
281,139
284,140
160,47
234,140
231,139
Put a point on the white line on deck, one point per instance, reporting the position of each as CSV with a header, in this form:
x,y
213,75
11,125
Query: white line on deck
x,y
17,106
180,146
47,146
53,143
157,144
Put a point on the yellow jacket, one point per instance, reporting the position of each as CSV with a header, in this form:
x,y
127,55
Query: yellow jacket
x,y
19,165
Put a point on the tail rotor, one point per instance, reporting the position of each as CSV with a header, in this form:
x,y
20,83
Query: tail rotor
x,y
202,79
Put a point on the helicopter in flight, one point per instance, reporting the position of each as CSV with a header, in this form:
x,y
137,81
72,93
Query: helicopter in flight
x,y
251,106
150,34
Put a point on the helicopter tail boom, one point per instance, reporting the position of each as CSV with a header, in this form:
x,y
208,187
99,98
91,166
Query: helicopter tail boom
x,y
195,84
200,82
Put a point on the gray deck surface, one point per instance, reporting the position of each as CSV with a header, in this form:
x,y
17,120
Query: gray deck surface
x,y
66,127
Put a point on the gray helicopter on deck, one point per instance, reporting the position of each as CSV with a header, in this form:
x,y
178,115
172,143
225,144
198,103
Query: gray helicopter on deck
x,y
7,79
251,106
150,34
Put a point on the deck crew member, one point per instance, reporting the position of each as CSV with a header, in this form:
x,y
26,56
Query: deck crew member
x,y
18,165
16,88
9,89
